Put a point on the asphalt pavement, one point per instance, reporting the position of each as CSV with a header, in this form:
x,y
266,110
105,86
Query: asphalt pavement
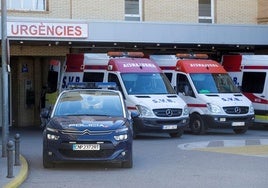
x,y
20,172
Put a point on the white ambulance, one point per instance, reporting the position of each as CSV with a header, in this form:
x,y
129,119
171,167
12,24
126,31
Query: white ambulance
x,y
250,74
213,99
145,88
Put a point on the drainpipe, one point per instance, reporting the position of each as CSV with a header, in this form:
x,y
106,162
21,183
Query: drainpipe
x,y
5,86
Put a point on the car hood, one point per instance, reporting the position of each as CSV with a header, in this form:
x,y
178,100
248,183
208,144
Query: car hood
x,y
227,99
158,101
92,123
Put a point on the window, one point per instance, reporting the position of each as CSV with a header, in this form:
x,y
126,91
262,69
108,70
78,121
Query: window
x,y
249,82
169,76
33,5
113,78
206,11
183,85
93,77
133,10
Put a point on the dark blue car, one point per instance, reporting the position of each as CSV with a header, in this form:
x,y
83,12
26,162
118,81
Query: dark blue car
x,y
88,125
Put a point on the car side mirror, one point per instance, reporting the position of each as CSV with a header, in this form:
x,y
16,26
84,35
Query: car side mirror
x,y
134,114
45,113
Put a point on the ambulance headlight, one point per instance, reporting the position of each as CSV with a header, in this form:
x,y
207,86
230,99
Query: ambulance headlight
x,y
185,110
251,109
144,111
214,108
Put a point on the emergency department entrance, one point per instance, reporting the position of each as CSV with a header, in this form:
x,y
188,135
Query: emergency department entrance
x,y
33,45
28,79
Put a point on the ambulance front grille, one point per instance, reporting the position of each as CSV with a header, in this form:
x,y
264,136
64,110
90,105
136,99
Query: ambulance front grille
x,y
236,109
168,112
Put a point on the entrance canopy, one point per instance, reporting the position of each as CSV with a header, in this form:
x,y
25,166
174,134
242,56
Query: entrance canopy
x,y
146,36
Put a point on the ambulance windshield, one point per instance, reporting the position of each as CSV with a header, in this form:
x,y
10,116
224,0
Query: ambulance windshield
x,y
147,83
213,83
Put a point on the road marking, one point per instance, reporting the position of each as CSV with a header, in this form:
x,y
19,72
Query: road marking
x,y
257,150
249,147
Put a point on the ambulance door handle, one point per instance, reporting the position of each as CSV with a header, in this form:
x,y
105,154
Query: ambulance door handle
x,y
262,96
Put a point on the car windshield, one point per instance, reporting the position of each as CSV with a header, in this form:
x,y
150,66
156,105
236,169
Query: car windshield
x,y
89,103
147,83
213,83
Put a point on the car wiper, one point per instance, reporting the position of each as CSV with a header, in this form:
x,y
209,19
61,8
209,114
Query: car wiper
x,y
90,115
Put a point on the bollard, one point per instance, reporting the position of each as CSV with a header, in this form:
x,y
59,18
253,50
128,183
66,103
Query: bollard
x,y
17,150
10,162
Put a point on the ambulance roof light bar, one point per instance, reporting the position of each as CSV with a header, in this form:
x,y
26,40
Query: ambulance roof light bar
x,y
92,85
192,56
125,54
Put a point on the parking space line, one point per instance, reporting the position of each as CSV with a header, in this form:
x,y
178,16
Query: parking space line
x,y
249,147
252,150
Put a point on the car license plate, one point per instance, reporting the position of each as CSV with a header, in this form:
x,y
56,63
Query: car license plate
x,y
86,147
168,127
236,124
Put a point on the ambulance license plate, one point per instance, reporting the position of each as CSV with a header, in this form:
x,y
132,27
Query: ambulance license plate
x,y
86,147
236,124
169,127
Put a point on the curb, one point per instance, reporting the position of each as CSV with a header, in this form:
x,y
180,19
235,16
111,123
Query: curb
x,y
19,179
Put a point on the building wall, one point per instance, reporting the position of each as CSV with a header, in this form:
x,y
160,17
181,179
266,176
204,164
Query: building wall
x,y
98,9
236,12
226,11
262,12
21,50
171,11
56,9
78,9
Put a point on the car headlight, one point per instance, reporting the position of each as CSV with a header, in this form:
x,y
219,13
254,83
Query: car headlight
x,y
122,134
214,108
52,134
144,111
185,111
52,137
121,137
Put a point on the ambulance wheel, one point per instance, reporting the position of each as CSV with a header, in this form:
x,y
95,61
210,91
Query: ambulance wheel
x,y
197,125
176,134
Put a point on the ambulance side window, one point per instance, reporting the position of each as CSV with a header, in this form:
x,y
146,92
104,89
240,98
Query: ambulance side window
x,y
253,82
169,75
113,78
183,85
93,77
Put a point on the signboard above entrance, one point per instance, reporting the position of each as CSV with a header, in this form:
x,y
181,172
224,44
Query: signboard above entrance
x,y
47,29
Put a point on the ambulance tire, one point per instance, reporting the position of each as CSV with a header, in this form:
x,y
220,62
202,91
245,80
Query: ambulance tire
x,y
176,134
197,125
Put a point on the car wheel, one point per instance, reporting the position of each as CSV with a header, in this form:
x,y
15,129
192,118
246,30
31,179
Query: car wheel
x,y
128,163
197,125
47,164
176,134
240,131
134,132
